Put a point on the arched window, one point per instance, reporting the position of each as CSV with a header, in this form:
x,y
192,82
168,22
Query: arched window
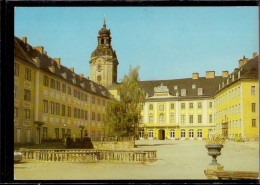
x,y
99,79
199,133
182,133
102,41
191,133
150,133
172,133
161,118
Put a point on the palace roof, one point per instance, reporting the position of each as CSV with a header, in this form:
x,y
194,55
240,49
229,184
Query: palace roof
x,y
42,61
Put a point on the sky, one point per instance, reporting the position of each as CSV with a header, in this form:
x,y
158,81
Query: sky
x,y
166,42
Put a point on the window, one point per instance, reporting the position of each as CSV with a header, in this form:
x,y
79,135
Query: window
x,y
182,119
82,114
57,133
63,110
99,79
69,111
16,91
82,96
98,117
27,113
64,88
150,133
183,92
69,90
253,122
15,112
171,118
191,133
93,100
182,133
27,74
45,80
52,83
27,95
93,116
104,102
199,133
57,108
45,106
69,131
200,91
98,100
150,119
52,107
182,105
253,107
78,113
199,105
252,90
199,118
210,118
44,133
57,85
161,118
191,105
75,113
191,118
86,115
210,104
151,107
172,105
16,69
172,133
161,108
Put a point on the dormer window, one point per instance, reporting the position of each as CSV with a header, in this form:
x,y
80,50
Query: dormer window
x,y
193,86
82,84
64,75
175,87
200,91
183,92
52,69
74,80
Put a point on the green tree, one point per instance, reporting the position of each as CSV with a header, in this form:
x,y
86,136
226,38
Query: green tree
x,y
124,115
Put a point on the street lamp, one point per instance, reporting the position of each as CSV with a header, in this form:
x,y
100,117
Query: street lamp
x,y
134,135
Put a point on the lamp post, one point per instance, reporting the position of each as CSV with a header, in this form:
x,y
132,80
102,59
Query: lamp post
x,y
134,135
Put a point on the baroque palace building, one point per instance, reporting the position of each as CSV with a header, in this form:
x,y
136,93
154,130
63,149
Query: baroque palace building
x,y
51,100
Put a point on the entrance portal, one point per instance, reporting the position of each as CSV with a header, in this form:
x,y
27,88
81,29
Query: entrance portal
x,y
161,134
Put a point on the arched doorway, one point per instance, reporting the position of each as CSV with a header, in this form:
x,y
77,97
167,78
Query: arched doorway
x,y
161,134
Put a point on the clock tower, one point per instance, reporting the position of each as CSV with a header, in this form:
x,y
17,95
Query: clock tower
x,y
103,62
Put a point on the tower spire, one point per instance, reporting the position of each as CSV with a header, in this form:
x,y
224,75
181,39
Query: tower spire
x,y
104,25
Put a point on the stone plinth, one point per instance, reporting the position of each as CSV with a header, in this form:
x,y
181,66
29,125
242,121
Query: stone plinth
x,y
209,172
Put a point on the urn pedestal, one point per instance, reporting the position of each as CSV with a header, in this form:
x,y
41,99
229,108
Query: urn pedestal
x,y
214,150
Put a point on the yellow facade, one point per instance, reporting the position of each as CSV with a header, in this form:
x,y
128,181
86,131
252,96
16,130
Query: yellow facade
x,y
171,119
56,106
237,108
24,97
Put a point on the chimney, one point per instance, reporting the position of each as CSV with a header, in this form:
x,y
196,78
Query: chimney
x,y
224,74
195,76
72,69
24,39
243,61
210,74
40,49
82,75
254,54
57,60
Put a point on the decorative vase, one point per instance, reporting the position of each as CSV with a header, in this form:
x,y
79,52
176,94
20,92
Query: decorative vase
x,y
214,151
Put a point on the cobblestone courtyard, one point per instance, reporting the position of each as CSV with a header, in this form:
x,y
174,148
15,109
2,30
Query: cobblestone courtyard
x,y
176,160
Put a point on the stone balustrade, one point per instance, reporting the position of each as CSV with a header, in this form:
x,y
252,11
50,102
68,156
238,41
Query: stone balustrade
x,y
88,155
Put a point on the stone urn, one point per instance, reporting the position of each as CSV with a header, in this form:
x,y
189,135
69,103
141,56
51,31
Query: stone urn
x,y
214,151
